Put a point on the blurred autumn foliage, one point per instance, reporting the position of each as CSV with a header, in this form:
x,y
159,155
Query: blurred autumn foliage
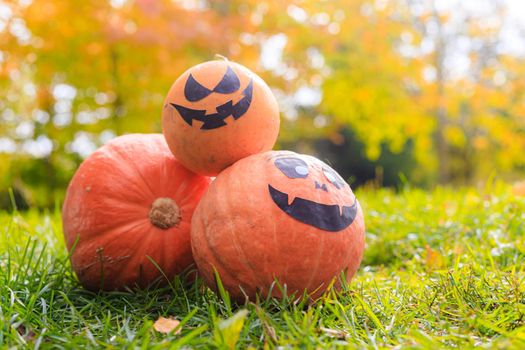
x,y
378,88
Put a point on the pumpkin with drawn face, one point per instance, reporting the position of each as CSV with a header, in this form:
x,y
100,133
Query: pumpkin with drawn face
x,y
278,216
217,113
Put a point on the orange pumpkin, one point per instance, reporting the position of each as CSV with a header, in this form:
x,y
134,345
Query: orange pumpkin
x,y
129,202
277,215
217,113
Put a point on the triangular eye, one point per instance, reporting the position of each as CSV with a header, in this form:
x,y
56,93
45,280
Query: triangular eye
x,y
193,91
229,83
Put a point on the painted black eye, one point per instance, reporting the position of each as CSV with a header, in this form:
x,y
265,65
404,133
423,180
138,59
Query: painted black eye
x,y
293,168
229,83
193,91
333,177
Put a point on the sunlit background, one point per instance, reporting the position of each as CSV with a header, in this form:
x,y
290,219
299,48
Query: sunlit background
x,y
387,91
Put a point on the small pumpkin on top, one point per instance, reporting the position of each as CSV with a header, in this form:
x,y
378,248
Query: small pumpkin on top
x,y
216,113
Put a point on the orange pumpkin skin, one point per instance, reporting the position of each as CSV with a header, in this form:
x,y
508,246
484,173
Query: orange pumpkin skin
x,y
208,149
130,200
240,231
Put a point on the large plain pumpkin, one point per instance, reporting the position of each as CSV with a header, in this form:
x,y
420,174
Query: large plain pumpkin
x,y
217,113
130,203
278,216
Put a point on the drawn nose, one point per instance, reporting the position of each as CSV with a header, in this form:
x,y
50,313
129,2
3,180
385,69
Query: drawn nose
x,y
321,187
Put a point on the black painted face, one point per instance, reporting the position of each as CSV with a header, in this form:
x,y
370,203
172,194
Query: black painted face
x,y
322,216
193,91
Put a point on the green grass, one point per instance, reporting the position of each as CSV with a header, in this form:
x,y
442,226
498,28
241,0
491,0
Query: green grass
x,y
442,269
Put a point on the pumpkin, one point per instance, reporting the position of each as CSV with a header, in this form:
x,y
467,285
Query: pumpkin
x,y
217,113
277,216
127,208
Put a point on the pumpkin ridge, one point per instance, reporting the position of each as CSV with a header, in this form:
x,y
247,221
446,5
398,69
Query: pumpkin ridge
x,y
134,206
168,174
134,166
248,263
91,165
185,191
124,232
240,250
115,150
101,259
219,263
137,200
138,260
257,276
150,245
183,234
118,268
132,225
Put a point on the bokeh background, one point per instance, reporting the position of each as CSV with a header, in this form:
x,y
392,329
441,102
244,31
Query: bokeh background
x,y
387,91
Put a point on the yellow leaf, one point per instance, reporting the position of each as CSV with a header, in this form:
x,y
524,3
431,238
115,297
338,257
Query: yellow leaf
x,y
230,329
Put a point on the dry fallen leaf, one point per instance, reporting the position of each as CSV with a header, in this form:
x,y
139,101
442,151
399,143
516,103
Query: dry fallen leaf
x,y
334,333
166,325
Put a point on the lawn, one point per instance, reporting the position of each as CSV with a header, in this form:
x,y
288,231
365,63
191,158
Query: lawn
x,y
442,269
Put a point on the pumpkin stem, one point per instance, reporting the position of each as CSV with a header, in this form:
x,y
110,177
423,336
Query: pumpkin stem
x,y
164,213
220,57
